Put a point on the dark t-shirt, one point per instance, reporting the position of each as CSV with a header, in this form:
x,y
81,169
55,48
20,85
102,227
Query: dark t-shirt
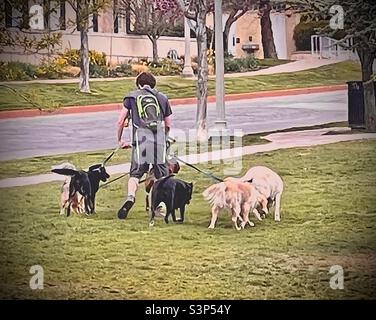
x,y
129,103
150,148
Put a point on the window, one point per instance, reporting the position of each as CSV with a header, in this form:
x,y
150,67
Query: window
x,y
8,15
47,13
95,22
62,18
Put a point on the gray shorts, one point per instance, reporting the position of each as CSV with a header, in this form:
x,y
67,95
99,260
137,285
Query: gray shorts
x,y
138,170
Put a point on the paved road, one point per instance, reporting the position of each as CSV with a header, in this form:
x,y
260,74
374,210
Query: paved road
x,y
49,135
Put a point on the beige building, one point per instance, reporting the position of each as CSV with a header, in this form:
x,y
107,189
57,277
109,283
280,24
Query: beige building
x,y
112,34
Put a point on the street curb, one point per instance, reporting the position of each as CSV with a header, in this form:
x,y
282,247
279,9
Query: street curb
x,y
25,113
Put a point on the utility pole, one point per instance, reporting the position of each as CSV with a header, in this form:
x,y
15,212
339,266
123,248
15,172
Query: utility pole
x,y
187,70
220,123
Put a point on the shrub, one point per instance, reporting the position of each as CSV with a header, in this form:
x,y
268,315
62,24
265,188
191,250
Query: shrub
x,y
72,56
97,58
52,69
97,71
166,67
241,64
138,68
10,71
303,32
124,70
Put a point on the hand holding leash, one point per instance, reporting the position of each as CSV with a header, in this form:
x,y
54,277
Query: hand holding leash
x,y
124,145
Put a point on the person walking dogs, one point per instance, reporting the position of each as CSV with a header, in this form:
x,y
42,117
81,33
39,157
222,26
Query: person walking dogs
x,y
150,114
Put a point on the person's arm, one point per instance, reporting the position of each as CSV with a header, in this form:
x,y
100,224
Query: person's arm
x,y
168,117
168,123
120,127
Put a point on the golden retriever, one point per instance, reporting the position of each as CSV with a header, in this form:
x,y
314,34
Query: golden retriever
x,y
238,197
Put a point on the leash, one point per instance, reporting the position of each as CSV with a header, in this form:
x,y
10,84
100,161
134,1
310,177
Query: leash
x,y
111,181
169,141
208,174
110,156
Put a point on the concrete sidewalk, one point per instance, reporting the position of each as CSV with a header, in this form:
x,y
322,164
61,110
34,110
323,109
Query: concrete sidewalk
x,y
283,140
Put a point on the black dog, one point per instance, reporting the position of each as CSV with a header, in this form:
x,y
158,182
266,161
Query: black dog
x,y
175,193
86,183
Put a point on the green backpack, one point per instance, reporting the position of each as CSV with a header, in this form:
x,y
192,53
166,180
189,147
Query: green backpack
x,y
149,111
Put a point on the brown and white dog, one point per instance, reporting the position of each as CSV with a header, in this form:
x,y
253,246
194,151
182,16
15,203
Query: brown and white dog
x,y
269,184
76,204
238,197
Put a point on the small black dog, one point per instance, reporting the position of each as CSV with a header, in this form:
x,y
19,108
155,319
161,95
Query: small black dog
x,y
86,183
175,193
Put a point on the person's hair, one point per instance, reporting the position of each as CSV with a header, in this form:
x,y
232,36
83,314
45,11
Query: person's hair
x,y
145,78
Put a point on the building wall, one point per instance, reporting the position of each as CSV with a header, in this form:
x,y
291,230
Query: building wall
x,y
292,21
121,46
248,26
117,46
283,29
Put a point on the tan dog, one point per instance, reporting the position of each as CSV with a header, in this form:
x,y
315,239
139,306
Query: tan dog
x,y
269,184
237,196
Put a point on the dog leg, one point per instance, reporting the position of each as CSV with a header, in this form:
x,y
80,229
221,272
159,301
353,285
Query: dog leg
x,y
245,211
235,216
215,212
173,215
147,202
277,214
152,216
182,211
235,221
257,214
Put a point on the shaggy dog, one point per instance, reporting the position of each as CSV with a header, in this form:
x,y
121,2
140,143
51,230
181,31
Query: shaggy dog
x,y
174,193
269,184
82,183
236,196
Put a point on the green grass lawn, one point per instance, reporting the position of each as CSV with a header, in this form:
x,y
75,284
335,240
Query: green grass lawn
x,y
54,95
38,165
266,63
328,218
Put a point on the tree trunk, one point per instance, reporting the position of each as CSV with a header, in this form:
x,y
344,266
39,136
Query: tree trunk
x,y
366,60
267,33
202,80
155,48
85,63
226,32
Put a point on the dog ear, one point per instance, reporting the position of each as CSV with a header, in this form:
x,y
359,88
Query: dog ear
x,y
65,172
95,167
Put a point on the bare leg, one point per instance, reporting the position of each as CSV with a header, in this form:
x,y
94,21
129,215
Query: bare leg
x,y
132,186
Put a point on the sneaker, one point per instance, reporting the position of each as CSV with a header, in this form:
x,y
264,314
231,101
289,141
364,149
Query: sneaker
x,y
128,204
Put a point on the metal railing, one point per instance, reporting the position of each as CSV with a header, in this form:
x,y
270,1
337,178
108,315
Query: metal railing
x,y
323,47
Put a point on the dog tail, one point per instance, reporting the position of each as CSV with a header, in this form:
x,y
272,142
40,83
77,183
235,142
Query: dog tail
x,y
215,194
65,172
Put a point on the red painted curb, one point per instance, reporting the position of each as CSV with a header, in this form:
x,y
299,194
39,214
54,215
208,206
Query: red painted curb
x,y
174,102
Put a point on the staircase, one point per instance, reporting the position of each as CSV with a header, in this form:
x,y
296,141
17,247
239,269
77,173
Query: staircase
x,y
328,48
